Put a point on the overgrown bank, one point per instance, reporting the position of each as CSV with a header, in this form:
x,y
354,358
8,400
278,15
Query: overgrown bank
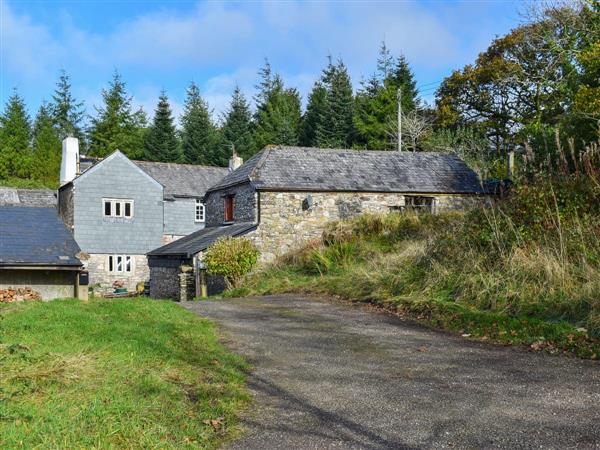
x,y
525,271
114,374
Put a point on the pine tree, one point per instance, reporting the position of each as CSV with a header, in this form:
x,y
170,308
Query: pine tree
x,y
115,127
66,111
15,139
161,140
46,147
335,128
385,62
237,125
377,103
199,139
278,112
315,112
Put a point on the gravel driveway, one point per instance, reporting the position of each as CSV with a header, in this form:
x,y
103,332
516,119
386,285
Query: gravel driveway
x,y
333,375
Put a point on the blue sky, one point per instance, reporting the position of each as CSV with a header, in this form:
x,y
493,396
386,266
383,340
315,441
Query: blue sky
x,y
166,44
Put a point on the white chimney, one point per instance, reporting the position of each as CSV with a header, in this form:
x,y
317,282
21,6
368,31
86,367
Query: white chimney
x,y
235,161
70,160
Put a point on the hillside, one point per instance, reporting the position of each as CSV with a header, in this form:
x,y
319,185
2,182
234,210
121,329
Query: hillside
x,y
523,271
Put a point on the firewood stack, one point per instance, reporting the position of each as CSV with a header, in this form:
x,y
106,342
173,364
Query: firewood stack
x,y
18,295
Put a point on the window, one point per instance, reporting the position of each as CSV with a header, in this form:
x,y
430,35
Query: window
x,y
199,211
118,208
419,204
228,208
120,264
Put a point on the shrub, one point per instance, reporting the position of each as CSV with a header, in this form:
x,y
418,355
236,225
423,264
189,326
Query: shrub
x,y
231,258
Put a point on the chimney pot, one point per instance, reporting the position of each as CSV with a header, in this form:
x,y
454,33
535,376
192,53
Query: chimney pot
x,y
235,161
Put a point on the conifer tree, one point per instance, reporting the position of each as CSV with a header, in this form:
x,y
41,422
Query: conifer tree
x,y
15,139
67,112
115,126
315,112
377,102
278,112
46,147
199,139
237,125
161,140
335,129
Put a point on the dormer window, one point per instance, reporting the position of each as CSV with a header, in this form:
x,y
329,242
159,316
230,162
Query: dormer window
x,y
199,211
228,208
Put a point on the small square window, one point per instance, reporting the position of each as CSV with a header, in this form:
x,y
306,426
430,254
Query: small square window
x,y
117,208
419,204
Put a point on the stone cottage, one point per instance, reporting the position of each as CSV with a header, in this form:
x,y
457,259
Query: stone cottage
x,y
119,210
284,196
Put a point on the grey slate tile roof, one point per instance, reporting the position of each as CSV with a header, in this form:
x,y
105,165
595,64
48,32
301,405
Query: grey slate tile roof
x,y
183,180
35,237
179,180
28,197
201,239
312,169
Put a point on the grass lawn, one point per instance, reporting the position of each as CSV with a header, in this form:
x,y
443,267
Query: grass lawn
x,y
114,374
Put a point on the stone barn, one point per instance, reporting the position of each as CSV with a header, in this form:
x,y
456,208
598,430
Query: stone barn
x,y
284,196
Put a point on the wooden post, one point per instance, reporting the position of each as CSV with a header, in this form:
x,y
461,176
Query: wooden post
x,y
203,287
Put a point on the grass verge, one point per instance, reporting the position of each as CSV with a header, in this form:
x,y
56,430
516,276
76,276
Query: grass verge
x,y
114,374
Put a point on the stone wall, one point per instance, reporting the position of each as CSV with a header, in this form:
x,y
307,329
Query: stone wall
x,y
165,282
187,286
285,224
244,204
65,205
96,264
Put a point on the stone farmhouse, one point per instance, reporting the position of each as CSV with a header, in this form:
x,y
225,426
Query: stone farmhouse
x,y
119,210
284,196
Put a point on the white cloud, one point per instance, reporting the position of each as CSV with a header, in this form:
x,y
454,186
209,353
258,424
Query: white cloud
x,y
221,44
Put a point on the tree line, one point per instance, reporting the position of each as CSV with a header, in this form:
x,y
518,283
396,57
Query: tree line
x,y
536,85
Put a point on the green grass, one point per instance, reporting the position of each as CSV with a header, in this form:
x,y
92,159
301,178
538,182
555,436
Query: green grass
x,y
26,183
114,374
524,272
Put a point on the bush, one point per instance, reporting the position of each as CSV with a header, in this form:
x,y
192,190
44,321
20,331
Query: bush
x,y
231,258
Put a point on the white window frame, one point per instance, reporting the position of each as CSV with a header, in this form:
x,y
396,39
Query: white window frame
x,y
200,212
119,263
113,207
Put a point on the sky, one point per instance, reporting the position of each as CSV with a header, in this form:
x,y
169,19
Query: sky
x,y
158,44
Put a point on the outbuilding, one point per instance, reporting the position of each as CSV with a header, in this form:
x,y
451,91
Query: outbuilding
x,y
38,255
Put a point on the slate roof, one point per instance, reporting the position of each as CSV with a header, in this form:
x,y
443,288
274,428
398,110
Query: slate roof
x,y
28,197
183,180
312,169
34,236
179,180
201,240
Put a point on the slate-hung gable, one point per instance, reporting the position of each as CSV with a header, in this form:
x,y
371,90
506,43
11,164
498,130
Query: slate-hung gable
x,y
283,196
121,209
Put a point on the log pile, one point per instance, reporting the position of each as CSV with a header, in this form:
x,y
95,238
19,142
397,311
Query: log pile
x,y
11,295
